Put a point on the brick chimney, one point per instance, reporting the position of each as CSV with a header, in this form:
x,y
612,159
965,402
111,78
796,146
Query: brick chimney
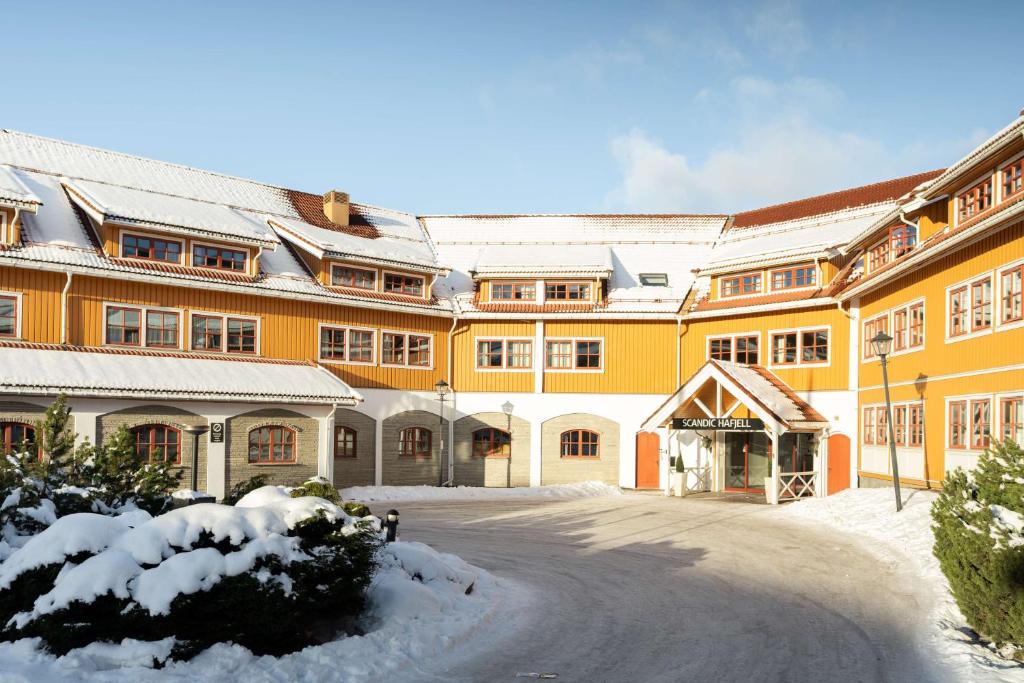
x,y
336,207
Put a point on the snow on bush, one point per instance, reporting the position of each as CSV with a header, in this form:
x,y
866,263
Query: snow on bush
x,y
585,489
979,541
274,574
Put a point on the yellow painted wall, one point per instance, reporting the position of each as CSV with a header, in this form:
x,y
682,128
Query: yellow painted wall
x,y
40,307
833,377
465,375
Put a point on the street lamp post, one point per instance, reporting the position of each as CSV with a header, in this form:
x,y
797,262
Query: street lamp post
x,y
507,408
442,392
196,431
881,345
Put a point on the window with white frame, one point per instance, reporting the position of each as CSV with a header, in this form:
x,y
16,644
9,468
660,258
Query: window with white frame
x,y
8,316
737,285
513,291
1011,418
907,427
736,348
157,328
406,349
1012,178
573,354
350,276
397,283
506,354
800,347
1010,305
871,329
794,278
975,200
907,327
346,344
224,333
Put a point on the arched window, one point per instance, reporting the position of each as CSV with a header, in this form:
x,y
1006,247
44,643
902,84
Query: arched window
x,y
414,442
13,435
580,443
273,444
493,443
344,442
157,442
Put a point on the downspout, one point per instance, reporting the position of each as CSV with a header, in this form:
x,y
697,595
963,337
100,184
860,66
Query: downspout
x,y
14,222
64,310
451,418
331,443
679,349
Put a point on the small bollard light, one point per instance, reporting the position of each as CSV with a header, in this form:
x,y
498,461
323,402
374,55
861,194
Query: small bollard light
x,y
391,524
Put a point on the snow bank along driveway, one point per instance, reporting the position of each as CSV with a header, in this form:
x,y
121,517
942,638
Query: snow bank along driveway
x,y
421,602
903,542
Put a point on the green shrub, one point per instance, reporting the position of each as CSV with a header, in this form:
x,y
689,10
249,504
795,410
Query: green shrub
x,y
239,490
319,487
980,545
356,509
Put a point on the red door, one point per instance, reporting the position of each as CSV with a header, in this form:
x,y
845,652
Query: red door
x,y
648,446
838,463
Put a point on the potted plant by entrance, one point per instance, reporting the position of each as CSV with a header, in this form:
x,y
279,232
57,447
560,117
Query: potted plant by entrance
x,y
677,477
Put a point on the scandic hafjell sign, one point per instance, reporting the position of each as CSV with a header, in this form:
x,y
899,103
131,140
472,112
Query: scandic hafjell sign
x,y
744,424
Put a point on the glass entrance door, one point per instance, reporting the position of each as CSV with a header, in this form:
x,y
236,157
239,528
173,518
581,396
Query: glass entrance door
x,y
748,461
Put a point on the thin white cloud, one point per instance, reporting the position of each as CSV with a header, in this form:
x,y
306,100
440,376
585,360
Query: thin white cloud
x,y
778,28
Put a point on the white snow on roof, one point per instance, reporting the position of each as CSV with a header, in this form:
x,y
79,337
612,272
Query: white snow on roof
x,y
502,259
85,373
669,244
345,245
793,239
12,189
1009,133
118,204
764,391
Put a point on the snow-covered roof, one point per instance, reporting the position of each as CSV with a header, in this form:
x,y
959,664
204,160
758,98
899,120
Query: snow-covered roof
x,y
790,240
163,212
1010,133
580,260
50,370
333,243
13,191
671,244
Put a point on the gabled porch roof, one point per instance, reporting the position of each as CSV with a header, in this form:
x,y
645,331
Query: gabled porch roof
x,y
752,387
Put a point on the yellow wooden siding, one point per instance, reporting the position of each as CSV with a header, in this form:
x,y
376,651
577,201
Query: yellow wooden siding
x,y
466,377
40,301
939,357
639,357
834,376
289,329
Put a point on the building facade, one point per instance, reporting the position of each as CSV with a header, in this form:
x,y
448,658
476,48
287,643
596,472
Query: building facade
x,y
310,332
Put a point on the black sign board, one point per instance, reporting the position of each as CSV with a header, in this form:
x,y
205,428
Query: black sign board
x,y
216,432
738,424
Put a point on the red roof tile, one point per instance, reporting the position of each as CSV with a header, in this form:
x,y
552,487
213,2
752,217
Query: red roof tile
x,y
833,201
125,351
310,208
210,273
383,296
809,413
536,308
738,302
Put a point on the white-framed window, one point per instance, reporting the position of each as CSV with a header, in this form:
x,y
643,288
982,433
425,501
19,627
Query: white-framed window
x,y
574,355
907,427
975,200
741,347
971,421
572,292
150,327
514,291
803,276
498,353
224,333
344,275
1011,179
800,347
414,350
970,308
741,284
10,315
220,257
348,345
1010,300
907,327
1011,416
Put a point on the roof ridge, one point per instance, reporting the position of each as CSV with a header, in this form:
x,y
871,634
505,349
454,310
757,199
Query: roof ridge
x,y
574,215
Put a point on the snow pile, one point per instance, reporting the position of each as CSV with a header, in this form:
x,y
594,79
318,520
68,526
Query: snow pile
x,y
902,538
585,489
420,604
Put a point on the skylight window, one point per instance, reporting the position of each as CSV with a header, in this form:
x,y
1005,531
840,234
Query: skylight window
x,y
654,279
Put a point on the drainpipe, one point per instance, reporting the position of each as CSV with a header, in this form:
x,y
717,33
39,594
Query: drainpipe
x,y
679,349
64,310
14,222
451,417
329,462
917,226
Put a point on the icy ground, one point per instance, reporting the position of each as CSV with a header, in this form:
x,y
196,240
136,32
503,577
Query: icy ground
x,y
905,539
585,489
421,603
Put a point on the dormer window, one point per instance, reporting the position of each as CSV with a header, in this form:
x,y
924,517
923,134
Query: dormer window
x,y
513,291
901,240
567,291
346,276
975,200
654,279
403,284
794,278
207,256
750,283
150,249
1013,178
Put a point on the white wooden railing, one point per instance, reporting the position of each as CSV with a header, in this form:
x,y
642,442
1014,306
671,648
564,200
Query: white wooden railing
x,y
793,485
698,479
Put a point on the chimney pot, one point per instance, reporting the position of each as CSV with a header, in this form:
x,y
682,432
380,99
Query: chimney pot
x,y
336,207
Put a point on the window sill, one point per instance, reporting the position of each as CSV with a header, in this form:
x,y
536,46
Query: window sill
x,y
274,464
587,458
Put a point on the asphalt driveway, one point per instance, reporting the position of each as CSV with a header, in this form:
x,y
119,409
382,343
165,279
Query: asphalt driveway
x,y
646,588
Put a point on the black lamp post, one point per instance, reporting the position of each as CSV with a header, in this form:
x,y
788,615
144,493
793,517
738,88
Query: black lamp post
x,y
881,345
507,408
442,389
196,431
391,526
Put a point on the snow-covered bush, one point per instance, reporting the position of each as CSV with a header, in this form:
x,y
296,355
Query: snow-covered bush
x,y
319,487
244,487
979,542
272,573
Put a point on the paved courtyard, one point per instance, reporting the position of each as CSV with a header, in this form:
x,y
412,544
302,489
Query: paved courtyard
x,y
646,588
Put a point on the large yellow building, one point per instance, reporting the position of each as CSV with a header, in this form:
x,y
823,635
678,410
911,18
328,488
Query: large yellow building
x,y
310,333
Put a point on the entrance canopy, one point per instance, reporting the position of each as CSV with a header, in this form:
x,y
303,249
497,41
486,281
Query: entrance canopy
x,y
721,389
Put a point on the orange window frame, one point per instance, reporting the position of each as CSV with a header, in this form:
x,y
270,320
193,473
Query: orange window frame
x,y
916,327
814,346
900,329
575,292
1011,282
156,245
958,424
785,348
9,321
267,440
491,443
981,423
517,291
8,432
1012,177
123,326
882,424
410,285
915,427
1011,411
242,335
219,258
153,436
353,277
975,200
799,276
959,310
345,440
899,427
981,304
742,284
495,348
579,443
201,329
868,426
871,328
161,328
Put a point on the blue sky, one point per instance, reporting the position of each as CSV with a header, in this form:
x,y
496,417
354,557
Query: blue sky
x,y
441,107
